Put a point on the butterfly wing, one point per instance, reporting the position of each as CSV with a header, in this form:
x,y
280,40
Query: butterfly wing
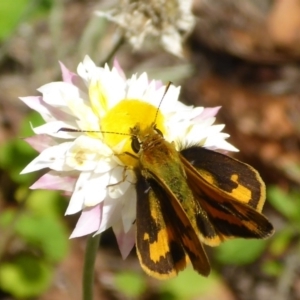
x,y
231,192
232,176
165,240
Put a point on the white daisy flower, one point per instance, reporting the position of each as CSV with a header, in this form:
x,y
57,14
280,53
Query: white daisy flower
x,y
148,22
87,131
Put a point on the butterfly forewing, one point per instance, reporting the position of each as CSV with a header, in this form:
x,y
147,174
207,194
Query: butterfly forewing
x,y
237,179
171,208
159,249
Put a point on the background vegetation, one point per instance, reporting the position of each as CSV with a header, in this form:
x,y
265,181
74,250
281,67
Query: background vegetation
x,y
243,56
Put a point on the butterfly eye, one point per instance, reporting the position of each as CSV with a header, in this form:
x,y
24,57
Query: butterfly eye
x,y
135,144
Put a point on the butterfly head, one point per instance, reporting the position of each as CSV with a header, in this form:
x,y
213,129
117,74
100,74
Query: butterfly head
x,y
146,138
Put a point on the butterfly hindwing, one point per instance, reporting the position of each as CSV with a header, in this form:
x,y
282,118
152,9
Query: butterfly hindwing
x,y
230,215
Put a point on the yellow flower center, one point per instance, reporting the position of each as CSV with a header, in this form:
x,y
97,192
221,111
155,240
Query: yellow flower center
x,y
116,125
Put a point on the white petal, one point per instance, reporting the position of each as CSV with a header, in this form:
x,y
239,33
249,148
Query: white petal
x,y
105,165
137,87
109,81
96,189
86,69
58,93
110,215
88,153
118,183
129,208
77,199
170,100
52,157
55,129
82,154
37,103
218,142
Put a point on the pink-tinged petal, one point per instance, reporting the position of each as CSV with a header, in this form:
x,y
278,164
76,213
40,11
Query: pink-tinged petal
x,y
111,214
36,103
119,69
55,181
125,241
47,112
40,142
158,84
69,76
88,222
207,113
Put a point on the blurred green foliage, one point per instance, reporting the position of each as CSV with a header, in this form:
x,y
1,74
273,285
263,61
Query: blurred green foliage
x,y
34,223
25,276
15,154
10,14
131,284
286,240
13,12
34,238
186,285
240,251
287,203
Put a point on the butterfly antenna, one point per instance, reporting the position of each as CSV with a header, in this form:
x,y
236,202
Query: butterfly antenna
x,y
165,92
65,129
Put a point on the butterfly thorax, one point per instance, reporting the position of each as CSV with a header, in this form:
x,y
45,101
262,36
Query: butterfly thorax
x,y
159,159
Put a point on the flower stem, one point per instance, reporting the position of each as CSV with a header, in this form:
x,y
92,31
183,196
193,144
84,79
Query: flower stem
x,y
88,270
119,43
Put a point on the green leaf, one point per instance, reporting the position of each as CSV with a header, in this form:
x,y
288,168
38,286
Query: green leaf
x,y
272,268
130,284
47,203
6,218
240,251
45,233
188,284
288,204
13,12
14,156
281,241
33,118
25,276
10,13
